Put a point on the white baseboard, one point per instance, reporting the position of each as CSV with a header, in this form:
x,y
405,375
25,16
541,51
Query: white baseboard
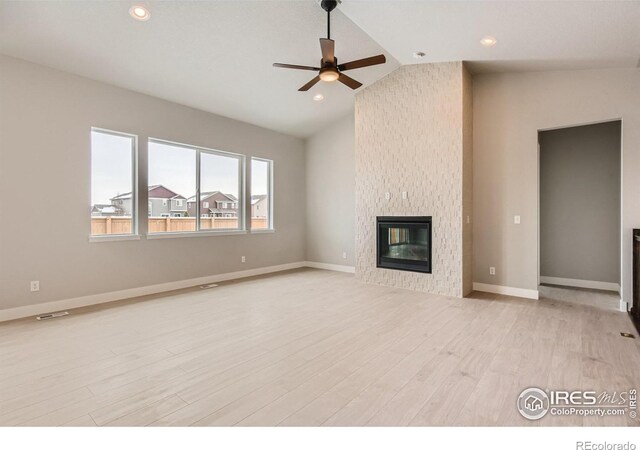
x,y
96,299
334,267
602,285
506,290
624,306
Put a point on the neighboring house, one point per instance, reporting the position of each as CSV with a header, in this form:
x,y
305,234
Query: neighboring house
x,y
163,202
259,206
99,210
214,204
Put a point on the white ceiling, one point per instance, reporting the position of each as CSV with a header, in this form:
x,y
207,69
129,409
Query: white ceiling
x,y
217,55
532,35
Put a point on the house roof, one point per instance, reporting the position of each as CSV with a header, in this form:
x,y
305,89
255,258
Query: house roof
x,y
256,198
206,195
162,192
106,209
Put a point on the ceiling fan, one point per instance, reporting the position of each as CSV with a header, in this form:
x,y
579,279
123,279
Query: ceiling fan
x,y
329,69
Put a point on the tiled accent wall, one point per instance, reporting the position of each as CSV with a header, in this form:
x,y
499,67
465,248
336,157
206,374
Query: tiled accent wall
x,y
409,137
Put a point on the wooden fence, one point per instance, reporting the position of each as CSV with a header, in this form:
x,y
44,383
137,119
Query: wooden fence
x,y
122,225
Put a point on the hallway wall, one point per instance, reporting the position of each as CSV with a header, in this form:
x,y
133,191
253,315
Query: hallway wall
x,y
580,202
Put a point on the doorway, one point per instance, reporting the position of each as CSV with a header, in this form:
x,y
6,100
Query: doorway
x,y
580,214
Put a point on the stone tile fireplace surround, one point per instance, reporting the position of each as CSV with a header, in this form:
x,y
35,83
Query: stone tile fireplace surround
x,y
413,158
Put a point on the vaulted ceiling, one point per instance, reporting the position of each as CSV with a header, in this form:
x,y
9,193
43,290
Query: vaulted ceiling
x,y
217,55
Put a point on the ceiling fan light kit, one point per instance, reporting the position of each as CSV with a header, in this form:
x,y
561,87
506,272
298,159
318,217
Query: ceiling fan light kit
x,y
329,69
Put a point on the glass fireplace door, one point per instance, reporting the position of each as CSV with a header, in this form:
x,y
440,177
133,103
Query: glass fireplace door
x,y
404,243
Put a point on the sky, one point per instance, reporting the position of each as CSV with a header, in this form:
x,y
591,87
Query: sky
x,y
171,166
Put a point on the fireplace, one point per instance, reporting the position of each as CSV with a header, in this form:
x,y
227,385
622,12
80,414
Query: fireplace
x,y
404,243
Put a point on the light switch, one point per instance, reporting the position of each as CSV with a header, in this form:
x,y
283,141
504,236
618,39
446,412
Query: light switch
x,y
516,219
404,195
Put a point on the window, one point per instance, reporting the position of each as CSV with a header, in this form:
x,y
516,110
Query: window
x,y
196,174
113,183
221,178
261,194
172,171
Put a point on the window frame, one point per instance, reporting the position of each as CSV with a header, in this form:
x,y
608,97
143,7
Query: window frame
x,y
135,232
241,229
270,196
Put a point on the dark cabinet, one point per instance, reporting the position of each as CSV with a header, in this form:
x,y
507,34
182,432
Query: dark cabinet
x,y
635,308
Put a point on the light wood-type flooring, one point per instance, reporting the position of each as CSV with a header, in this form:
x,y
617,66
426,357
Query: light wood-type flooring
x,y
309,348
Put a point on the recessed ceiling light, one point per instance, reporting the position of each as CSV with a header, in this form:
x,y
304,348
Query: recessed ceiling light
x,y
139,12
419,55
488,41
318,97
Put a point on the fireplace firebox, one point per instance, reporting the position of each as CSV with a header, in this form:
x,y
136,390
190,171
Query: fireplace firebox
x,y
404,243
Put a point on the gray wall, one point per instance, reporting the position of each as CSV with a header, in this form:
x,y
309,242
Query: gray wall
x,y
509,109
580,202
331,194
45,121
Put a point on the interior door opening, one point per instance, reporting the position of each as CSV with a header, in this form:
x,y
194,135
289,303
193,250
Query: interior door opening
x,y
580,213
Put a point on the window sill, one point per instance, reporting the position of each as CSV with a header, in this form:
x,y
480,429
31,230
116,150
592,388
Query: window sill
x,y
194,234
263,231
114,237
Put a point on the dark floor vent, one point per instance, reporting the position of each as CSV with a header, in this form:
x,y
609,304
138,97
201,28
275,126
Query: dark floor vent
x,y
52,315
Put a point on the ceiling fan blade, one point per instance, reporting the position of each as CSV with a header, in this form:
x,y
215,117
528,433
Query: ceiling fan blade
x,y
365,62
293,66
310,84
328,50
353,84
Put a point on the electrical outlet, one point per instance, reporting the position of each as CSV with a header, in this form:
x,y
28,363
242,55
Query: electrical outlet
x,y
243,259
387,195
468,219
492,270
516,220
404,195
344,255
35,286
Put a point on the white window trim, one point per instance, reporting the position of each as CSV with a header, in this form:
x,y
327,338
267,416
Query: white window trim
x,y
134,190
113,237
183,234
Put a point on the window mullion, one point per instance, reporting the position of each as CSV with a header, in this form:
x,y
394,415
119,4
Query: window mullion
x,y
198,200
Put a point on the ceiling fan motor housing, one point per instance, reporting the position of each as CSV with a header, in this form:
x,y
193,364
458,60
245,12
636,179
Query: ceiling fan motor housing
x,y
329,5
